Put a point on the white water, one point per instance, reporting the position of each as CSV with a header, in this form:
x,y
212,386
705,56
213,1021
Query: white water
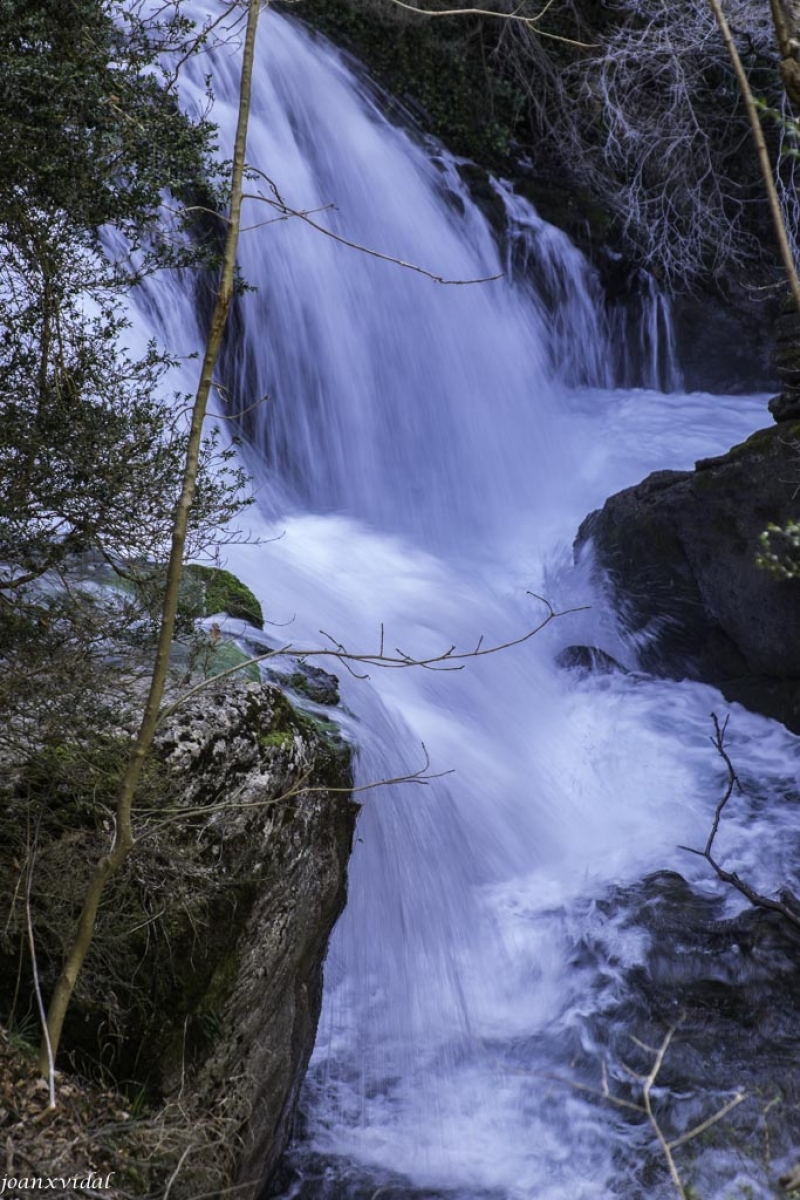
x,y
427,466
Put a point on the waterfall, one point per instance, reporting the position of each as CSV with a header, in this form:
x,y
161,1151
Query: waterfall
x,y
422,455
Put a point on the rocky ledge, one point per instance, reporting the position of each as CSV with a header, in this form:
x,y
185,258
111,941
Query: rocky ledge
x,y
202,990
679,555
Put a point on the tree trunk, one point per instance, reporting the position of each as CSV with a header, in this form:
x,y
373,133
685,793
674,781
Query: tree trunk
x,y
778,222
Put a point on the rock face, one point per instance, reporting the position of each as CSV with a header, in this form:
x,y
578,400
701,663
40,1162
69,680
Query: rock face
x,y
786,406
285,839
201,991
679,553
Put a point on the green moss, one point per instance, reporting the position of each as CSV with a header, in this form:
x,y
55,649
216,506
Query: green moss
x,y
221,655
760,440
332,754
223,592
276,740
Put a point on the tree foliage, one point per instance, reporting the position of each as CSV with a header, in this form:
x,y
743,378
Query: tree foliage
x,y
90,454
90,130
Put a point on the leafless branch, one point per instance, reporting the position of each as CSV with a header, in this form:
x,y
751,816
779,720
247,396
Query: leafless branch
x,y
451,659
286,210
516,15
645,1108
757,899
421,777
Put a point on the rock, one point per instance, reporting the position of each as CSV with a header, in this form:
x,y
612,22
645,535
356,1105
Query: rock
x,y
726,343
202,989
588,658
786,406
720,982
679,554
315,684
222,591
249,743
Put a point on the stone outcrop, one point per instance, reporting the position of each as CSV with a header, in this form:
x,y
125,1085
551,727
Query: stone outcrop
x,y
679,554
786,405
202,989
286,838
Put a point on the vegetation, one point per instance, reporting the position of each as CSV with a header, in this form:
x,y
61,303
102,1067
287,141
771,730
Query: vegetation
x,y
633,105
182,516
780,550
99,473
89,454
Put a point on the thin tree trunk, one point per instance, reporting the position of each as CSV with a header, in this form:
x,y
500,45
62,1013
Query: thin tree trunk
x,y
123,840
763,154
781,27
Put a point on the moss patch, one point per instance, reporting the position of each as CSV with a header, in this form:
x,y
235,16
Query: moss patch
x,y
223,592
761,440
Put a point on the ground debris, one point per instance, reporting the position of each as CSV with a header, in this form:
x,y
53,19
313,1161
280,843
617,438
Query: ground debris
x,y
90,1143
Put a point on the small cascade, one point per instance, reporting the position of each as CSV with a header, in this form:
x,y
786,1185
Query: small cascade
x,y
564,288
640,330
627,342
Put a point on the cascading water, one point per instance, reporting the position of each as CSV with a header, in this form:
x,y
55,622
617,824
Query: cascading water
x,y
424,460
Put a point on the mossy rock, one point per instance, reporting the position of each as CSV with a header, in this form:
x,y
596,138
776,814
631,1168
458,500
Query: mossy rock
x,y
216,657
315,684
223,592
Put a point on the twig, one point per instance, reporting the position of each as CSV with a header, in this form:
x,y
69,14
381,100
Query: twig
x,y
645,1108
422,776
502,16
302,215
646,1090
176,1172
757,899
704,1125
51,1066
450,659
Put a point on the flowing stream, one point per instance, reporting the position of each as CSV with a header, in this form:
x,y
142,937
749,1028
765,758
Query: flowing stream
x,y
423,454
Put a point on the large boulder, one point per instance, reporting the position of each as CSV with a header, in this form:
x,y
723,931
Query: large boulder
x,y
202,989
283,830
679,552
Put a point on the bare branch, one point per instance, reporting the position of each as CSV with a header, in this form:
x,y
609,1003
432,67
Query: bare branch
x,y
707,1124
757,899
303,215
502,16
422,777
450,659
51,1063
645,1108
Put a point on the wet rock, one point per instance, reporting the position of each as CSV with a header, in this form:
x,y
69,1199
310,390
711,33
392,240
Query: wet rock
x,y
786,406
590,659
726,344
727,988
315,684
678,553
